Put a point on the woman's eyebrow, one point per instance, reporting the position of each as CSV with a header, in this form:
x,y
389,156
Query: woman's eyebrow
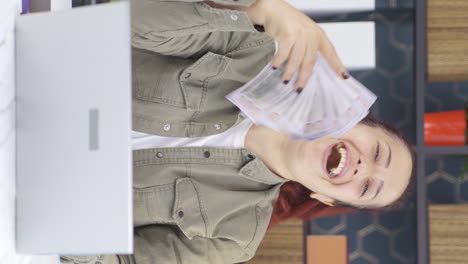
x,y
389,158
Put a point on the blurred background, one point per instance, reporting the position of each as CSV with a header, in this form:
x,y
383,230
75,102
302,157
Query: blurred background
x,y
391,237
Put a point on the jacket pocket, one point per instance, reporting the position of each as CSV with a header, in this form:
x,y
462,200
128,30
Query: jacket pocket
x,y
152,205
194,79
175,81
188,211
156,78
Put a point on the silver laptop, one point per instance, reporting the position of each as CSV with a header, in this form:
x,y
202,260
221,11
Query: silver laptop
x,y
73,96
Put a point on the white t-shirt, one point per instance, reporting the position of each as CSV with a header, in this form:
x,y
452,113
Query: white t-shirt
x,y
234,137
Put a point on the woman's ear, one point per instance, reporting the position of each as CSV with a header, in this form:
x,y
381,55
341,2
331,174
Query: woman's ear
x,y
323,199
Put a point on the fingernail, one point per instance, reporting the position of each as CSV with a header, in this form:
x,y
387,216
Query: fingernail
x,y
286,81
299,90
274,68
345,75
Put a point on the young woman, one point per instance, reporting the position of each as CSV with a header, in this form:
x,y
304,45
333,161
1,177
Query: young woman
x,y
206,180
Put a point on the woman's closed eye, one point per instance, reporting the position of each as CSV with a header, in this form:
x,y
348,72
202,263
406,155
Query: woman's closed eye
x,y
377,152
365,188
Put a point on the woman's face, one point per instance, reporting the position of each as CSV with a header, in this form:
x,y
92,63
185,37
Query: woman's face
x,y
366,167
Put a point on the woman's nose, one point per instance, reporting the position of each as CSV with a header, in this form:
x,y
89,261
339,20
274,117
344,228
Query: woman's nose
x,y
352,172
364,168
357,167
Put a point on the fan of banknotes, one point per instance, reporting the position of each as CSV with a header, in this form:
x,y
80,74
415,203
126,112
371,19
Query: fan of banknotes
x,y
328,105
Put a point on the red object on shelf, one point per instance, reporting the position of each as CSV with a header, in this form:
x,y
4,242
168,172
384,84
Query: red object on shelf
x,y
445,128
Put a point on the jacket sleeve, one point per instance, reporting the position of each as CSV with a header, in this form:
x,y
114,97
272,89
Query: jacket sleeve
x,y
188,28
167,244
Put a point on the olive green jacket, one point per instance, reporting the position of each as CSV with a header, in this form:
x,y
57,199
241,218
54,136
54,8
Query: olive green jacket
x,y
187,57
194,205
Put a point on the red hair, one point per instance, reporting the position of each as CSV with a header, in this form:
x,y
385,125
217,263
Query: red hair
x,y
294,201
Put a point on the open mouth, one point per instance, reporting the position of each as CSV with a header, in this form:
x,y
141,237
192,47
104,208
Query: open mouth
x,y
337,160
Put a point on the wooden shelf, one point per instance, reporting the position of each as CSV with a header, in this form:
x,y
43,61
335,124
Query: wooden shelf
x,y
423,73
447,39
449,233
283,243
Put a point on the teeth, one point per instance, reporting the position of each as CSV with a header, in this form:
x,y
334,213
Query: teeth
x,y
337,170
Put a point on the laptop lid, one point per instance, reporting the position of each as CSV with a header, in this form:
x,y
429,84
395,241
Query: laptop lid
x,y
73,87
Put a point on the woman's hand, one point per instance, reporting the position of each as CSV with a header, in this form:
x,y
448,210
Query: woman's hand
x,y
299,39
298,36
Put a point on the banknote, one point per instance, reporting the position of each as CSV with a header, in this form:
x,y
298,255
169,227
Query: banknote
x,y
327,106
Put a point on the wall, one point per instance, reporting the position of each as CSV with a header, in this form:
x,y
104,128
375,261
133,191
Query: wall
x,y
384,238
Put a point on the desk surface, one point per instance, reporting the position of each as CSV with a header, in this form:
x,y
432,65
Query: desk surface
x,y
8,10
7,133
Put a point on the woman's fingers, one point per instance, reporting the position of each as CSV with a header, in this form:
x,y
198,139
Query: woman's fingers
x,y
329,53
284,48
306,69
299,40
295,60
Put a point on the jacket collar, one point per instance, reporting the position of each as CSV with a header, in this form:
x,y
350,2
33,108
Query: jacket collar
x,y
256,170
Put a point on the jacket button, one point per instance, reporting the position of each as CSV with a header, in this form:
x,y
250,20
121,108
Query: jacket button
x,y
234,17
187,75
217,126
180,214
206,154
167,127
159,155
